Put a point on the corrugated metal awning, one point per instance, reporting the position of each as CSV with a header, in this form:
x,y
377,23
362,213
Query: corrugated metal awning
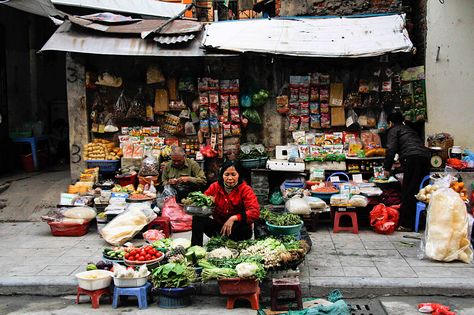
x,y
143,7
312,37
74,39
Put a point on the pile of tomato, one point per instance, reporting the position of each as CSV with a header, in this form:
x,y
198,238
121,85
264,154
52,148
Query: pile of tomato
x,y
143,254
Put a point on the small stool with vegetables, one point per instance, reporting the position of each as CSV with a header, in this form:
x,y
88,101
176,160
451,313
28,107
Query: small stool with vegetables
x,y
140,292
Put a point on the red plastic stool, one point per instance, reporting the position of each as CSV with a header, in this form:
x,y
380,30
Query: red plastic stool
x,y
94,295
286,284
163,223
252,298
354,228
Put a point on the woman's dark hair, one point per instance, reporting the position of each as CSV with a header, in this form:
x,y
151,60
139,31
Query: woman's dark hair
x,y
225,166
396,118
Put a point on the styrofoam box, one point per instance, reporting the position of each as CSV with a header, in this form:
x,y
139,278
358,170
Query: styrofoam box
x,y
283,165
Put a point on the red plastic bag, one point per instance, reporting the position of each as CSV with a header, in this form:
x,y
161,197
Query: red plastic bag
x,y
384,219
435,309
153,235
180,220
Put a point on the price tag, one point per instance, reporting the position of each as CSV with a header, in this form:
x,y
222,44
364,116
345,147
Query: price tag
x,y
334,179
357,178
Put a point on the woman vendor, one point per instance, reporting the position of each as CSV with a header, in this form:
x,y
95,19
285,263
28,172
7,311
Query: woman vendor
x,y
236,207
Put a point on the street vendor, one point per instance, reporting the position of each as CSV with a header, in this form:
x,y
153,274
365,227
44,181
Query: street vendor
x,y
183,174
415,161
236,207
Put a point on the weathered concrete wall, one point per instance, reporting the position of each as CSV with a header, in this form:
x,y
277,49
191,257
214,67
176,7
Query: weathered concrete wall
x,y
338,7
77,106
449,64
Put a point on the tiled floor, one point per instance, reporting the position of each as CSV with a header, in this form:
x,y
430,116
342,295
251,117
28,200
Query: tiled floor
x,y
28,249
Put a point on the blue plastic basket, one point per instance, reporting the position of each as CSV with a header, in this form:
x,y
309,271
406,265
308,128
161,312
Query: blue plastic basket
x,y
175,297
105,166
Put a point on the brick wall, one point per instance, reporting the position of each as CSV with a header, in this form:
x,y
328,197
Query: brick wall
x,y
337,7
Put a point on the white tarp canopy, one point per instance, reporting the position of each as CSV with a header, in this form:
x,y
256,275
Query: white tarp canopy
x,y
144,7
312,37
72,38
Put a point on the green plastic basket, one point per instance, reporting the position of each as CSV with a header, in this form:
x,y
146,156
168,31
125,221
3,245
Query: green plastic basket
x,y
284,230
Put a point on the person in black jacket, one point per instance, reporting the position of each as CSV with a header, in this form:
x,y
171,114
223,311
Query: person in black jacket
x,y
415,160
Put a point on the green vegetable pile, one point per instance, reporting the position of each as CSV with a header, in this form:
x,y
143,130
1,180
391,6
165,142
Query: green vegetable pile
x,y
198,199
173,275
285,219
163,243
194,253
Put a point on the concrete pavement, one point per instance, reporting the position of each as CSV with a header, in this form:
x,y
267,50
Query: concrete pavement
x,y
360,265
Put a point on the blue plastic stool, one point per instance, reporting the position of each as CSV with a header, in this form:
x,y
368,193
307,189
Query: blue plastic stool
x,y
420,206
140,292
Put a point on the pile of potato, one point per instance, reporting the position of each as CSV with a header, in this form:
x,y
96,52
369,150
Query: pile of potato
x,y
424,195
100,149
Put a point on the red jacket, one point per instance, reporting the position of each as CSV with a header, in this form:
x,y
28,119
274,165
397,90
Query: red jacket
x,y
241,198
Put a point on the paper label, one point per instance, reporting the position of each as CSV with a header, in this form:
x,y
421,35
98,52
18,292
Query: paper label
x,y
349,121
334,179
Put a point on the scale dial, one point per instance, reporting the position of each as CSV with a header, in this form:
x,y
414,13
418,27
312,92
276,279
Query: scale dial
x,y
436,161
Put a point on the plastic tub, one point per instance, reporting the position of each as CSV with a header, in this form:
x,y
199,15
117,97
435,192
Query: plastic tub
x,y
237,286
250,163
175,297
198,211
130,283
68,229
102,280
125,180
284,230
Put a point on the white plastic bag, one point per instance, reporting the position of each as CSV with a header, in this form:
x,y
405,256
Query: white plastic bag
x,y
447,235
297,205
86,213
315,203
358,201
126,225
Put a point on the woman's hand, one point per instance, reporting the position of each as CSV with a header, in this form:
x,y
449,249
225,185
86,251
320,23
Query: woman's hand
x,y
227,227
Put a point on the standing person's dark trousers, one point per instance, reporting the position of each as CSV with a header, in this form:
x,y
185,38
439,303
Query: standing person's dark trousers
x,y
205,225
414,169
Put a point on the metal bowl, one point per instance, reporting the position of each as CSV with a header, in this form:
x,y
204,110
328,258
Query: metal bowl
x,y
198,211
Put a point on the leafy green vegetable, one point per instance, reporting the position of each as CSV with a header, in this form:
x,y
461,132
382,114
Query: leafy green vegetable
x,y
173,275
284,219
162,243
221,241
194,253
233,262
198,199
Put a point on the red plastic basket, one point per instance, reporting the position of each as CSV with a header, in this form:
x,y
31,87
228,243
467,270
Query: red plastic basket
x,y
237,286
126,180
68,229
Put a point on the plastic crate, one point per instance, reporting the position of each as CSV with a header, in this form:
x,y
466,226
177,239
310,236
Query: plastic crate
x,y
105,166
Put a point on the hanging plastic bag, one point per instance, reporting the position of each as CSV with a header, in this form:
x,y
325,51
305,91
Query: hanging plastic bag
x,y
384,219
168,191
447,230
382,124
121,107
276,198
137,109
180,220
189,129
246,101
352,119
252,115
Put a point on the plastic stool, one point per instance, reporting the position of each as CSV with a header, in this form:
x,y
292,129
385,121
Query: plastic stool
x,y
286,284
354,228
140,292
94,295
252,298
420,207
164,224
